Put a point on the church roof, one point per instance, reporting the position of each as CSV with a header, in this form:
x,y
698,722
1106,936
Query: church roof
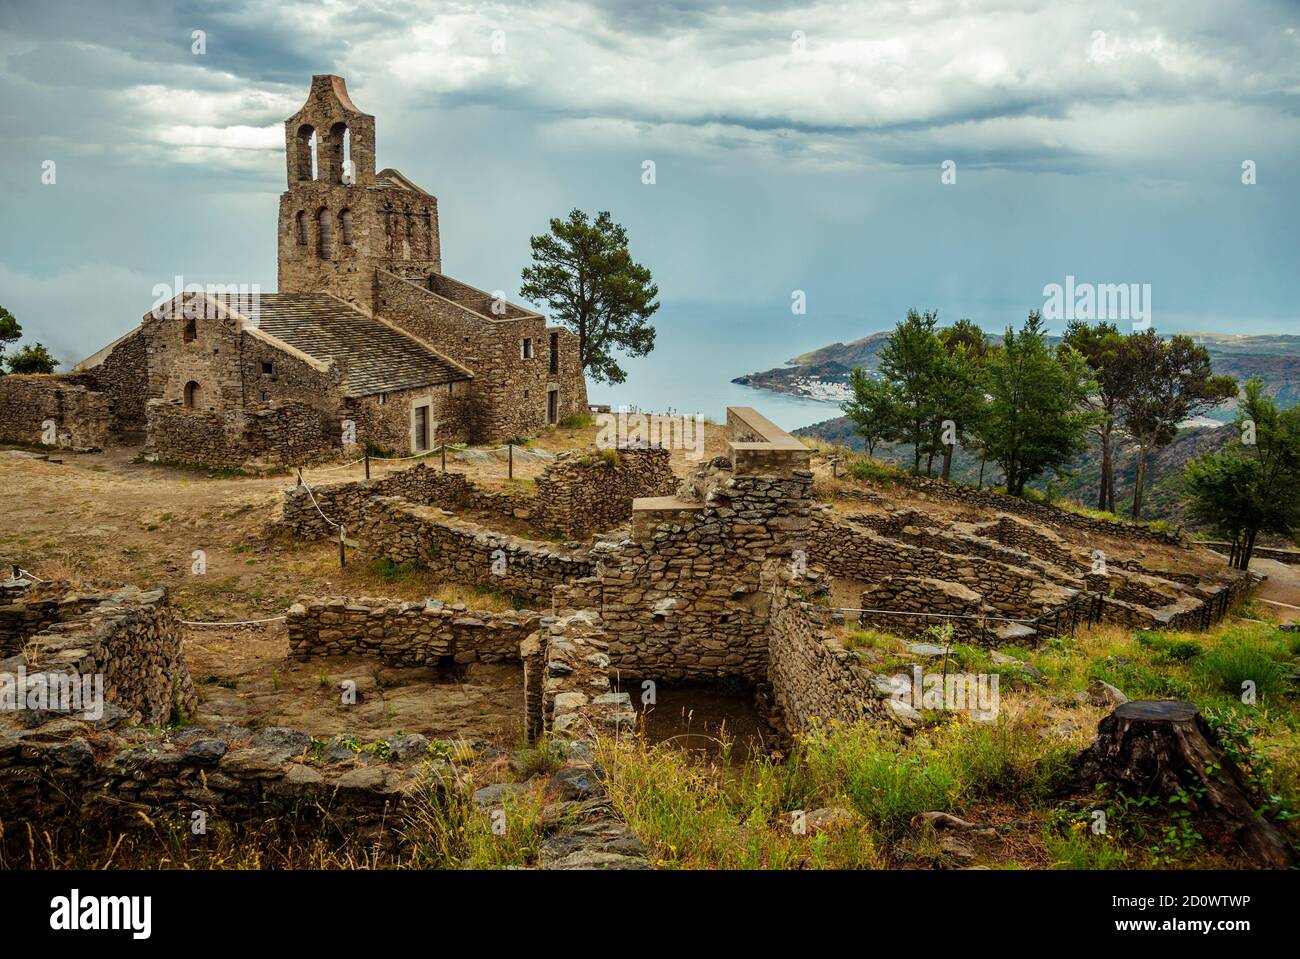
x,y
379,358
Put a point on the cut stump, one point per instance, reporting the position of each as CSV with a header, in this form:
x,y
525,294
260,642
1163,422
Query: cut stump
x,y
1159,746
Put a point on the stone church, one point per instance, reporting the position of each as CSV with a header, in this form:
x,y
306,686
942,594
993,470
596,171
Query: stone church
x,y
367,339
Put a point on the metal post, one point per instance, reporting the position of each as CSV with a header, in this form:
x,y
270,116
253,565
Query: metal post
x,y
367,464
343,556
444,457
510,468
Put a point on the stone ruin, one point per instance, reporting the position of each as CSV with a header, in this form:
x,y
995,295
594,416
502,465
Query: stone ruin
x,y
727,579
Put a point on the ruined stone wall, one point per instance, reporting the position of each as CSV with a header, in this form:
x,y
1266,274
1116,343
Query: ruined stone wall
x,y
123,377
128,636
681,598
572,689
466,552
82,417
1038,512
861,554
576,493
106,776
422,484
811,676
583,491
405,633
270,435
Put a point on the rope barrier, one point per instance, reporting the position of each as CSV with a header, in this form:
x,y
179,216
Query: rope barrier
x,y
400,459
314,503
32,576
330,469
246,622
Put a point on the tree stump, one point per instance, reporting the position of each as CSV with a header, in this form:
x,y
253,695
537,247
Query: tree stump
x,y
1159,746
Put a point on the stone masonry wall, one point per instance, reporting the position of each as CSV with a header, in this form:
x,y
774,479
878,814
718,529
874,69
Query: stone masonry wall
x,y
270,435
681,597
862,554
466,552
108,776
82,417
579,492
405,633
812,677
129,637
576,493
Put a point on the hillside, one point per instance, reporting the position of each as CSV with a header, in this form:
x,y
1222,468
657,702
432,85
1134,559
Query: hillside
x,y
823,373
1164,492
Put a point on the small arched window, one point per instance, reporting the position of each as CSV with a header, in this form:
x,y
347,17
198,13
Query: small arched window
x,y
193,395
302,228
345,223
325,242
305,153
341,154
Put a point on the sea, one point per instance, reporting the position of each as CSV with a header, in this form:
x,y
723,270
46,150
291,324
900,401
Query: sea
x,y
699,349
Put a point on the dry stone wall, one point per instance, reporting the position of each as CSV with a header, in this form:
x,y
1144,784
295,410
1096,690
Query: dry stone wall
x,y
81,417
128,638
405,633
587,491
1038,512
812,678
109,776
270,435
466,552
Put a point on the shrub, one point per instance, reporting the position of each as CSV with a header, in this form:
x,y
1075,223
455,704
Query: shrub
x,y
577,421
872,472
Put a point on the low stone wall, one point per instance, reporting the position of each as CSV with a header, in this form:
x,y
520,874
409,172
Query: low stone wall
x,y
405,633
129,637
78,417
922,594
421,484
812,677
274,434
576,699
587,491
862,554
402,532
106,776
1038,512
577,492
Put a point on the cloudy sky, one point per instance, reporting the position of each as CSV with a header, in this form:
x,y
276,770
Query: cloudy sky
x,y
796,147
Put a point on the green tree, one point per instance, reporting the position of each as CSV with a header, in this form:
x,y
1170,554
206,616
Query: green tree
x,y
583,272
911,362
873,408
10,331
959,387
1036,418
1167,381
1253,486
1102,347
32,359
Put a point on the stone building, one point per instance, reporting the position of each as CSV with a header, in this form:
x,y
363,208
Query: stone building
x,y
367,338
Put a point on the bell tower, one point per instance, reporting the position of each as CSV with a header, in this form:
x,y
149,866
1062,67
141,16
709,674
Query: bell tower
x,y
324,233
340,221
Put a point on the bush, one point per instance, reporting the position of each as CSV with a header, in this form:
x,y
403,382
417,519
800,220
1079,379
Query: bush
x,y
872,472
577,421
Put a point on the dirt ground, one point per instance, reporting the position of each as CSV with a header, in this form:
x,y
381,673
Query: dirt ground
x,y
105,516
